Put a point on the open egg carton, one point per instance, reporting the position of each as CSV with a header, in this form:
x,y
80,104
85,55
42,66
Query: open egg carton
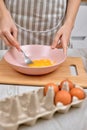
x,y
26,108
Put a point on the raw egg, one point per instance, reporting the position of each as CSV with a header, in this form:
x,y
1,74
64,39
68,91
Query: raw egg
x,y
41,63
63,96
77,92
55,88
66,83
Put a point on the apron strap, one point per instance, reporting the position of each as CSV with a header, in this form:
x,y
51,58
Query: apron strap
x,y
46,31
36,31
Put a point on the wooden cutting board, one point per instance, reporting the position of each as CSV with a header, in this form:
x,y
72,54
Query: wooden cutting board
x,y
10,76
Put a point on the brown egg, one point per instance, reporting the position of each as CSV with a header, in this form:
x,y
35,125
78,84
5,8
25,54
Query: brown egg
x,y
68,83
77,92
63,96
55,87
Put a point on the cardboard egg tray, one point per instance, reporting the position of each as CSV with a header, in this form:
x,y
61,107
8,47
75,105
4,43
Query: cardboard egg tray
x,y
27,108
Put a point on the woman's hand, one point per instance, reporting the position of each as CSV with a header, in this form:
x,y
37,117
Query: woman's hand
x,y
8,30
63,35
61,40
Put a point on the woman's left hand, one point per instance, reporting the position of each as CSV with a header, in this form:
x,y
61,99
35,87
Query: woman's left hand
x,y
61,40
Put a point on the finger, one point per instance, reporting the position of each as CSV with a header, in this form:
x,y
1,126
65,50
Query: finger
x,y
65,49
0,34
14,32
64,45
11,40
6,41
59,45
56,40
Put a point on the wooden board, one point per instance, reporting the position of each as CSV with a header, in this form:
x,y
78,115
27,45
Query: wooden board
x,y
10,76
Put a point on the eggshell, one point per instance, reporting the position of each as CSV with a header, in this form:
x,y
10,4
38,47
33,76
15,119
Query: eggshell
x,y
77,92
55,88
63,96
68,82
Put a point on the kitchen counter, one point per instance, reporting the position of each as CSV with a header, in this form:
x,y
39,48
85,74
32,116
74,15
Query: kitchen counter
x,y
75,118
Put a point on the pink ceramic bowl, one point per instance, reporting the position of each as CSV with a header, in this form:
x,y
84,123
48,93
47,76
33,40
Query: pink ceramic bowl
x,y
16,59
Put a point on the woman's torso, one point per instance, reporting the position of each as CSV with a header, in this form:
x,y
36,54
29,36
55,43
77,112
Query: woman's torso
x,y
37,20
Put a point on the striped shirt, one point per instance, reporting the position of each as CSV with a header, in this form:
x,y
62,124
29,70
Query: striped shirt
x,y
37,20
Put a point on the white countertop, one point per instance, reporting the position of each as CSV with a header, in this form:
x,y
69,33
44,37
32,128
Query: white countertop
x,y
75,118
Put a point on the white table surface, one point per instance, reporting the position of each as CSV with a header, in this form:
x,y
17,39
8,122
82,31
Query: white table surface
x,y
75,118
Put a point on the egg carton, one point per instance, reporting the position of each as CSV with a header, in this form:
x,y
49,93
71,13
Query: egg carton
x,y
27,108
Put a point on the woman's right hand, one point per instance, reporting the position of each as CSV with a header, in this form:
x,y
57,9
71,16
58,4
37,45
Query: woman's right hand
x,y
8,30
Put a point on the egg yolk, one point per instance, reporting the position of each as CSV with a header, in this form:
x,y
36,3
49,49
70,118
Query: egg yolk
x,y
41,63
